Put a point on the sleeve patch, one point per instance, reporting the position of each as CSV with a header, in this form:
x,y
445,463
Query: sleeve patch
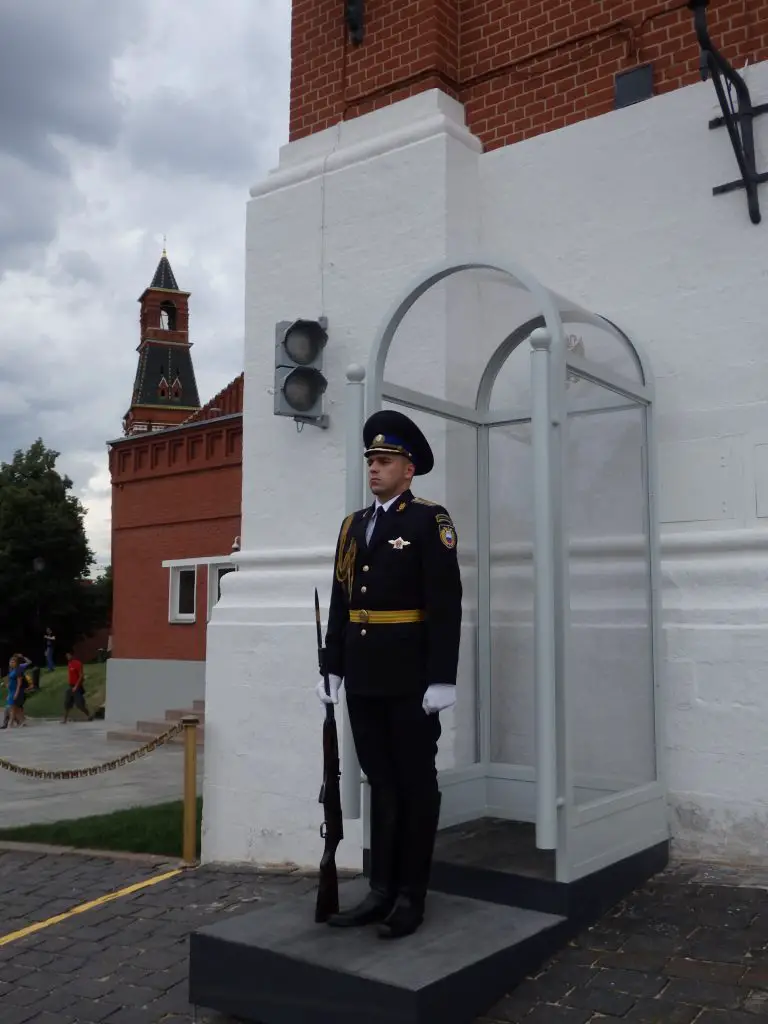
x,y
448,536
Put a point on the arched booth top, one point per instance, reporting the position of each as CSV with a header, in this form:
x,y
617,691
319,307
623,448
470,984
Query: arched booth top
x,y
583,343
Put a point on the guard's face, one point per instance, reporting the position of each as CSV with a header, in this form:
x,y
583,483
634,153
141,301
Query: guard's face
x,y
388,475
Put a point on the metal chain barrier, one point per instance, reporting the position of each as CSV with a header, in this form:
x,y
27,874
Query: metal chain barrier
x,y
98,769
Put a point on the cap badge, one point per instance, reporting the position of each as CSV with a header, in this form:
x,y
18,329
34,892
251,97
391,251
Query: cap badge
x,y
379,439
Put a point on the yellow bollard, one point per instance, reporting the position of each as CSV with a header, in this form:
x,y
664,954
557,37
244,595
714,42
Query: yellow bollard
x,y
189,843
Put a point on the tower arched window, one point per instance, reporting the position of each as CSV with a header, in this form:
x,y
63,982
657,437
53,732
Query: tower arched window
x,y
167,316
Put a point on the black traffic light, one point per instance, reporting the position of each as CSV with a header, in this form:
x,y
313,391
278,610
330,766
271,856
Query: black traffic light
x,y
299,382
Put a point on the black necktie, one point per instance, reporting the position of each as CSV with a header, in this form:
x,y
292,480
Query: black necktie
x,y
376,517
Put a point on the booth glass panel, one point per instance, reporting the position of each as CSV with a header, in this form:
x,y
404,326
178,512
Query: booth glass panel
x,y
453,484
601,345
609,658
512,726
452,332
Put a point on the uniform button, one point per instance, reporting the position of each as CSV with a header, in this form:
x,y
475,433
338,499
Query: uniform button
x,y
365,568
363,632
363,590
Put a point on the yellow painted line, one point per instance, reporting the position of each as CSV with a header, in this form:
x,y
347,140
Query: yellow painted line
x,y
39,925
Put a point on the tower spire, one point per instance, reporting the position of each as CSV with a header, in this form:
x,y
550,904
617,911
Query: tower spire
x,y
164,276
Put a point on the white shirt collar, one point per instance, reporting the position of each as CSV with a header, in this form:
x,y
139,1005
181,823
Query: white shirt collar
x,y
386,505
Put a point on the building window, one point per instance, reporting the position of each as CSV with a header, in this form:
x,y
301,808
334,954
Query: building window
x,y
167,317
182,598
215,575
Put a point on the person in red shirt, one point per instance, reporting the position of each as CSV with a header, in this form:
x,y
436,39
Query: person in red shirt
x,y
75,695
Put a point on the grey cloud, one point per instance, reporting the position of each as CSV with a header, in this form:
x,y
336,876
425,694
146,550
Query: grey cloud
x,y
78,265
169,132
175,162
29,203
56,83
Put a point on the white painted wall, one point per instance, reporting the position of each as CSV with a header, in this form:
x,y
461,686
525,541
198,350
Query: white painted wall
x,y
349,218
616,213
143,689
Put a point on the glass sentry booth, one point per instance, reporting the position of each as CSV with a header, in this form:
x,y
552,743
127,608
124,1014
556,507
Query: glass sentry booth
x,y
540,414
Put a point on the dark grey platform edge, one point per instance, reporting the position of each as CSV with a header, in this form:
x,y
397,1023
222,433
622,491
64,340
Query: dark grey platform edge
x,y
581,902
276,966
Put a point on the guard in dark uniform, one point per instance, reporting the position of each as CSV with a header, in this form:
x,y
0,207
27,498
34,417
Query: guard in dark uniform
x,y
393,639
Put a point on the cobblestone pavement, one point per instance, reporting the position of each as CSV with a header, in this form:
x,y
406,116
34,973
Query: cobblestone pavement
x,y
689,948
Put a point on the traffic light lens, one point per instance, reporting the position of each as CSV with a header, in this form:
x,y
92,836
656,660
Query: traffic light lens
x,y
302,389
301,346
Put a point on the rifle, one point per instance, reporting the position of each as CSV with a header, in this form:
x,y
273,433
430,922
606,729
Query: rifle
x,y
332,829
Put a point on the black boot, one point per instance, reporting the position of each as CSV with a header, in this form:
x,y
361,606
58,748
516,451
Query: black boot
x,y
380,900
416,864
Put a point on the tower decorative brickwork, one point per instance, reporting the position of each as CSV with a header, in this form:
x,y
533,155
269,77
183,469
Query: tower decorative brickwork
x,y
165,389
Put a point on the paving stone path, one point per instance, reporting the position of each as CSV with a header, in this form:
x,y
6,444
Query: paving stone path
x,y
156,778
689,948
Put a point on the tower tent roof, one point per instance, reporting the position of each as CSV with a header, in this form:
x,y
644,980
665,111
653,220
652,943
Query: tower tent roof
x,y
164,276
166,377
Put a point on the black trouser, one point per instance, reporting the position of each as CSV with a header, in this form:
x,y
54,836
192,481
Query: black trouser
x,y
396,743
75,698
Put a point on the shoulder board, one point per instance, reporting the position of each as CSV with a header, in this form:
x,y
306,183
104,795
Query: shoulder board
x,y
425,501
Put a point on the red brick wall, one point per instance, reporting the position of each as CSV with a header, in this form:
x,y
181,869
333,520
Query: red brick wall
x,y
175,495
520,68
88,648
226,402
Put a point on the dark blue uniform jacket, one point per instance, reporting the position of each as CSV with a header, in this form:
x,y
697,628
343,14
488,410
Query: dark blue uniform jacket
x,y
412,567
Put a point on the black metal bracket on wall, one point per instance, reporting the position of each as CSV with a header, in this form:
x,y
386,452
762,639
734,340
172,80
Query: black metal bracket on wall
x,y
354,18
738,122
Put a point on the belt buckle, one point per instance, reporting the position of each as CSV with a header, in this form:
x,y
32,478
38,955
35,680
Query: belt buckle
x,y
364,616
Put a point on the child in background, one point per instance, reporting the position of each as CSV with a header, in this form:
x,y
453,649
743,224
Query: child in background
x,y
14,705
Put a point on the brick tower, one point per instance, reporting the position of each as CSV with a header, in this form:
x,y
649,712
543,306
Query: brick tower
x,y
165,389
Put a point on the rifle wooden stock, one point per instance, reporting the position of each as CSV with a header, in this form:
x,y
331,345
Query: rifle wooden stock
x,y
332,829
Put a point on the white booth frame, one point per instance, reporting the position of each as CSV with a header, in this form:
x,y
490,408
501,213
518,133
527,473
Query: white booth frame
x,y
590,836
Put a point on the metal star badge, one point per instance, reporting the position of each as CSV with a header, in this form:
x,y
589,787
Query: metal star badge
x,y
399,544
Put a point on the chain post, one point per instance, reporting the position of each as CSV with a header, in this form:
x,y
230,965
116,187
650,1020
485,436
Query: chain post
x,y
189,844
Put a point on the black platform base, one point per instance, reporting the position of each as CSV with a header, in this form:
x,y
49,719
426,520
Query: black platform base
x,y
276,966
496,860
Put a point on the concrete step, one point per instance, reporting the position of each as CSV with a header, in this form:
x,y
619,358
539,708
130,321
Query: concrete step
x,y
138,738
145,731
176,713
154,728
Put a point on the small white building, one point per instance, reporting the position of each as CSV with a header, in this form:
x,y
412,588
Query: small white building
x,y
617,214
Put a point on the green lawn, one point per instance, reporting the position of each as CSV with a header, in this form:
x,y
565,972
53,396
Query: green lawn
x,y
49,701
156,829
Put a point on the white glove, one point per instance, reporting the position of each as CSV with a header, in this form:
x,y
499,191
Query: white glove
x,y
334,682
438,697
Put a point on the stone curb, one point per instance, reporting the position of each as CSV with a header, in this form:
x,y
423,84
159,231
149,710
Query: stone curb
x,y
8,846
276,869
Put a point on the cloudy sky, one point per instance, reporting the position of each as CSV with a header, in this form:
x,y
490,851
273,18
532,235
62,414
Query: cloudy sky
x,y
121,122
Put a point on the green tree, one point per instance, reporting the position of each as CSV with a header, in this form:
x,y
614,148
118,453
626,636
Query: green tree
x,y
44,557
